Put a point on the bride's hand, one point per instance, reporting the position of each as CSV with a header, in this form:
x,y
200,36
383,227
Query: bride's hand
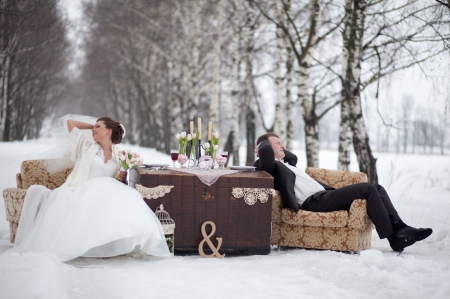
x,y
122,176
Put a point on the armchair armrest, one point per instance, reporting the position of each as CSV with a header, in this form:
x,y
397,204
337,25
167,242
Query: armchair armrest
x,y
276,207
357,216
336,178
14,198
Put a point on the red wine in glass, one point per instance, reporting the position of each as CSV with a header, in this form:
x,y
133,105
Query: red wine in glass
x,y
174,156
224,154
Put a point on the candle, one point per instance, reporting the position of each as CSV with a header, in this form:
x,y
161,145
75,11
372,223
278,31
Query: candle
x,y
199,128
192,128
209,130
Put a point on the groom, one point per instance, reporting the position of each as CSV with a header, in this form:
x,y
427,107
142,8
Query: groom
x,y
299,191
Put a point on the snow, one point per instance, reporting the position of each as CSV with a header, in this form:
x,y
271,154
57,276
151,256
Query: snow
x,y
419,187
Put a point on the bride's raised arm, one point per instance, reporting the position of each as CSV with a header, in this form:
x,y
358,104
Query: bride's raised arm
x,y
78,124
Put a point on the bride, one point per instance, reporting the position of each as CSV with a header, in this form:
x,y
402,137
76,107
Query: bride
x,y
91,214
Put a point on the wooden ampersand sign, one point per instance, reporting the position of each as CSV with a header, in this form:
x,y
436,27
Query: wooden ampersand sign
x,y
208,241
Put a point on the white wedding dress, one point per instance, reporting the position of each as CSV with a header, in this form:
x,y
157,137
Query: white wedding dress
x,y
102,217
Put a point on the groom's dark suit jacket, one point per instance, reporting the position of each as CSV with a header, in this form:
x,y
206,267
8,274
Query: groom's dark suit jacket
x,y
284,178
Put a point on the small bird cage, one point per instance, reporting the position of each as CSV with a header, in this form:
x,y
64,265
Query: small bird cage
x,y
168,226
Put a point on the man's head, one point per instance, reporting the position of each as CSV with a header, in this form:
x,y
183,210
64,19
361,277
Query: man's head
x,y
274,141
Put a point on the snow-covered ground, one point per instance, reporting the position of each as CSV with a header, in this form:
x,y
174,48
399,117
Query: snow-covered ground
x,y
419,187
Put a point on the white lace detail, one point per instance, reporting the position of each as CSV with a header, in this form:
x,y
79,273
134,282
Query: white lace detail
x,y
154,193
251,195
101,154
208,177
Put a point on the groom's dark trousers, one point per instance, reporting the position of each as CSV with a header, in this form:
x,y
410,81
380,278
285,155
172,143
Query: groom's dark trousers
x,y
379,205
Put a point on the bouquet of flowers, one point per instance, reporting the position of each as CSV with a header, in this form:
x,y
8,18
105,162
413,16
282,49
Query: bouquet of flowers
x,y
129,159
212,148
183,140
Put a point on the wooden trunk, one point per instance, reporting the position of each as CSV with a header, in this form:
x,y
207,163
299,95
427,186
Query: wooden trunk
x,y
244,228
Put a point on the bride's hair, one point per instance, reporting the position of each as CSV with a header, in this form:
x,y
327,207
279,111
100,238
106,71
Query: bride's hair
x,y
117,129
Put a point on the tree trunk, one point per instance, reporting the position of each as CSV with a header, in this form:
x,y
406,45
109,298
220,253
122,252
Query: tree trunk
x,y
217,63
351,89
311,127
235,85
345,133
290,104
249,113
5,100
279,128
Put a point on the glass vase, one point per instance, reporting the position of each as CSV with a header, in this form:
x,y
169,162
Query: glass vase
x,y
192,162
182,158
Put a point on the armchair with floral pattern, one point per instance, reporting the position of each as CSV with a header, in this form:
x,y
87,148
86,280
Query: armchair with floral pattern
x,y
32,172
340,230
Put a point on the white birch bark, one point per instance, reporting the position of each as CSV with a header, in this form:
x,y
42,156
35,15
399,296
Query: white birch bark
x,y
4,96
279,128
311,125
235,90
197,38
249,36
290,103
217,64
351,89
345,134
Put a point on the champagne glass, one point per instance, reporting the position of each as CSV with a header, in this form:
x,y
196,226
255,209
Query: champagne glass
x,y
174,156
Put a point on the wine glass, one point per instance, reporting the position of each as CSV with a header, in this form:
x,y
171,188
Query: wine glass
x,y
224,154
174,156
221,160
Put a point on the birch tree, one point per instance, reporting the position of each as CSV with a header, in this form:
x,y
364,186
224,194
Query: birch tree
x,y
304,37
217,64
386,50
32,64
279,77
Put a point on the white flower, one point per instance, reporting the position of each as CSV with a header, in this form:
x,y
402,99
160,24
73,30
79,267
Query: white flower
x,y
207,146
189,137
183,134
216,134
194,135
177,136
216,147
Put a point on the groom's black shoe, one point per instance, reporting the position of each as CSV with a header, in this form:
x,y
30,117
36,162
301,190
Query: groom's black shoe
x,y
407,236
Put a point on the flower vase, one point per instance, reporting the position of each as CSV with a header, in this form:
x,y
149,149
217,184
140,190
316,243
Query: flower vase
x,y
213,163
182,158
192,162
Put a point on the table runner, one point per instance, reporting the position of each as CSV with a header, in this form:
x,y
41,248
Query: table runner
x,y
208,177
